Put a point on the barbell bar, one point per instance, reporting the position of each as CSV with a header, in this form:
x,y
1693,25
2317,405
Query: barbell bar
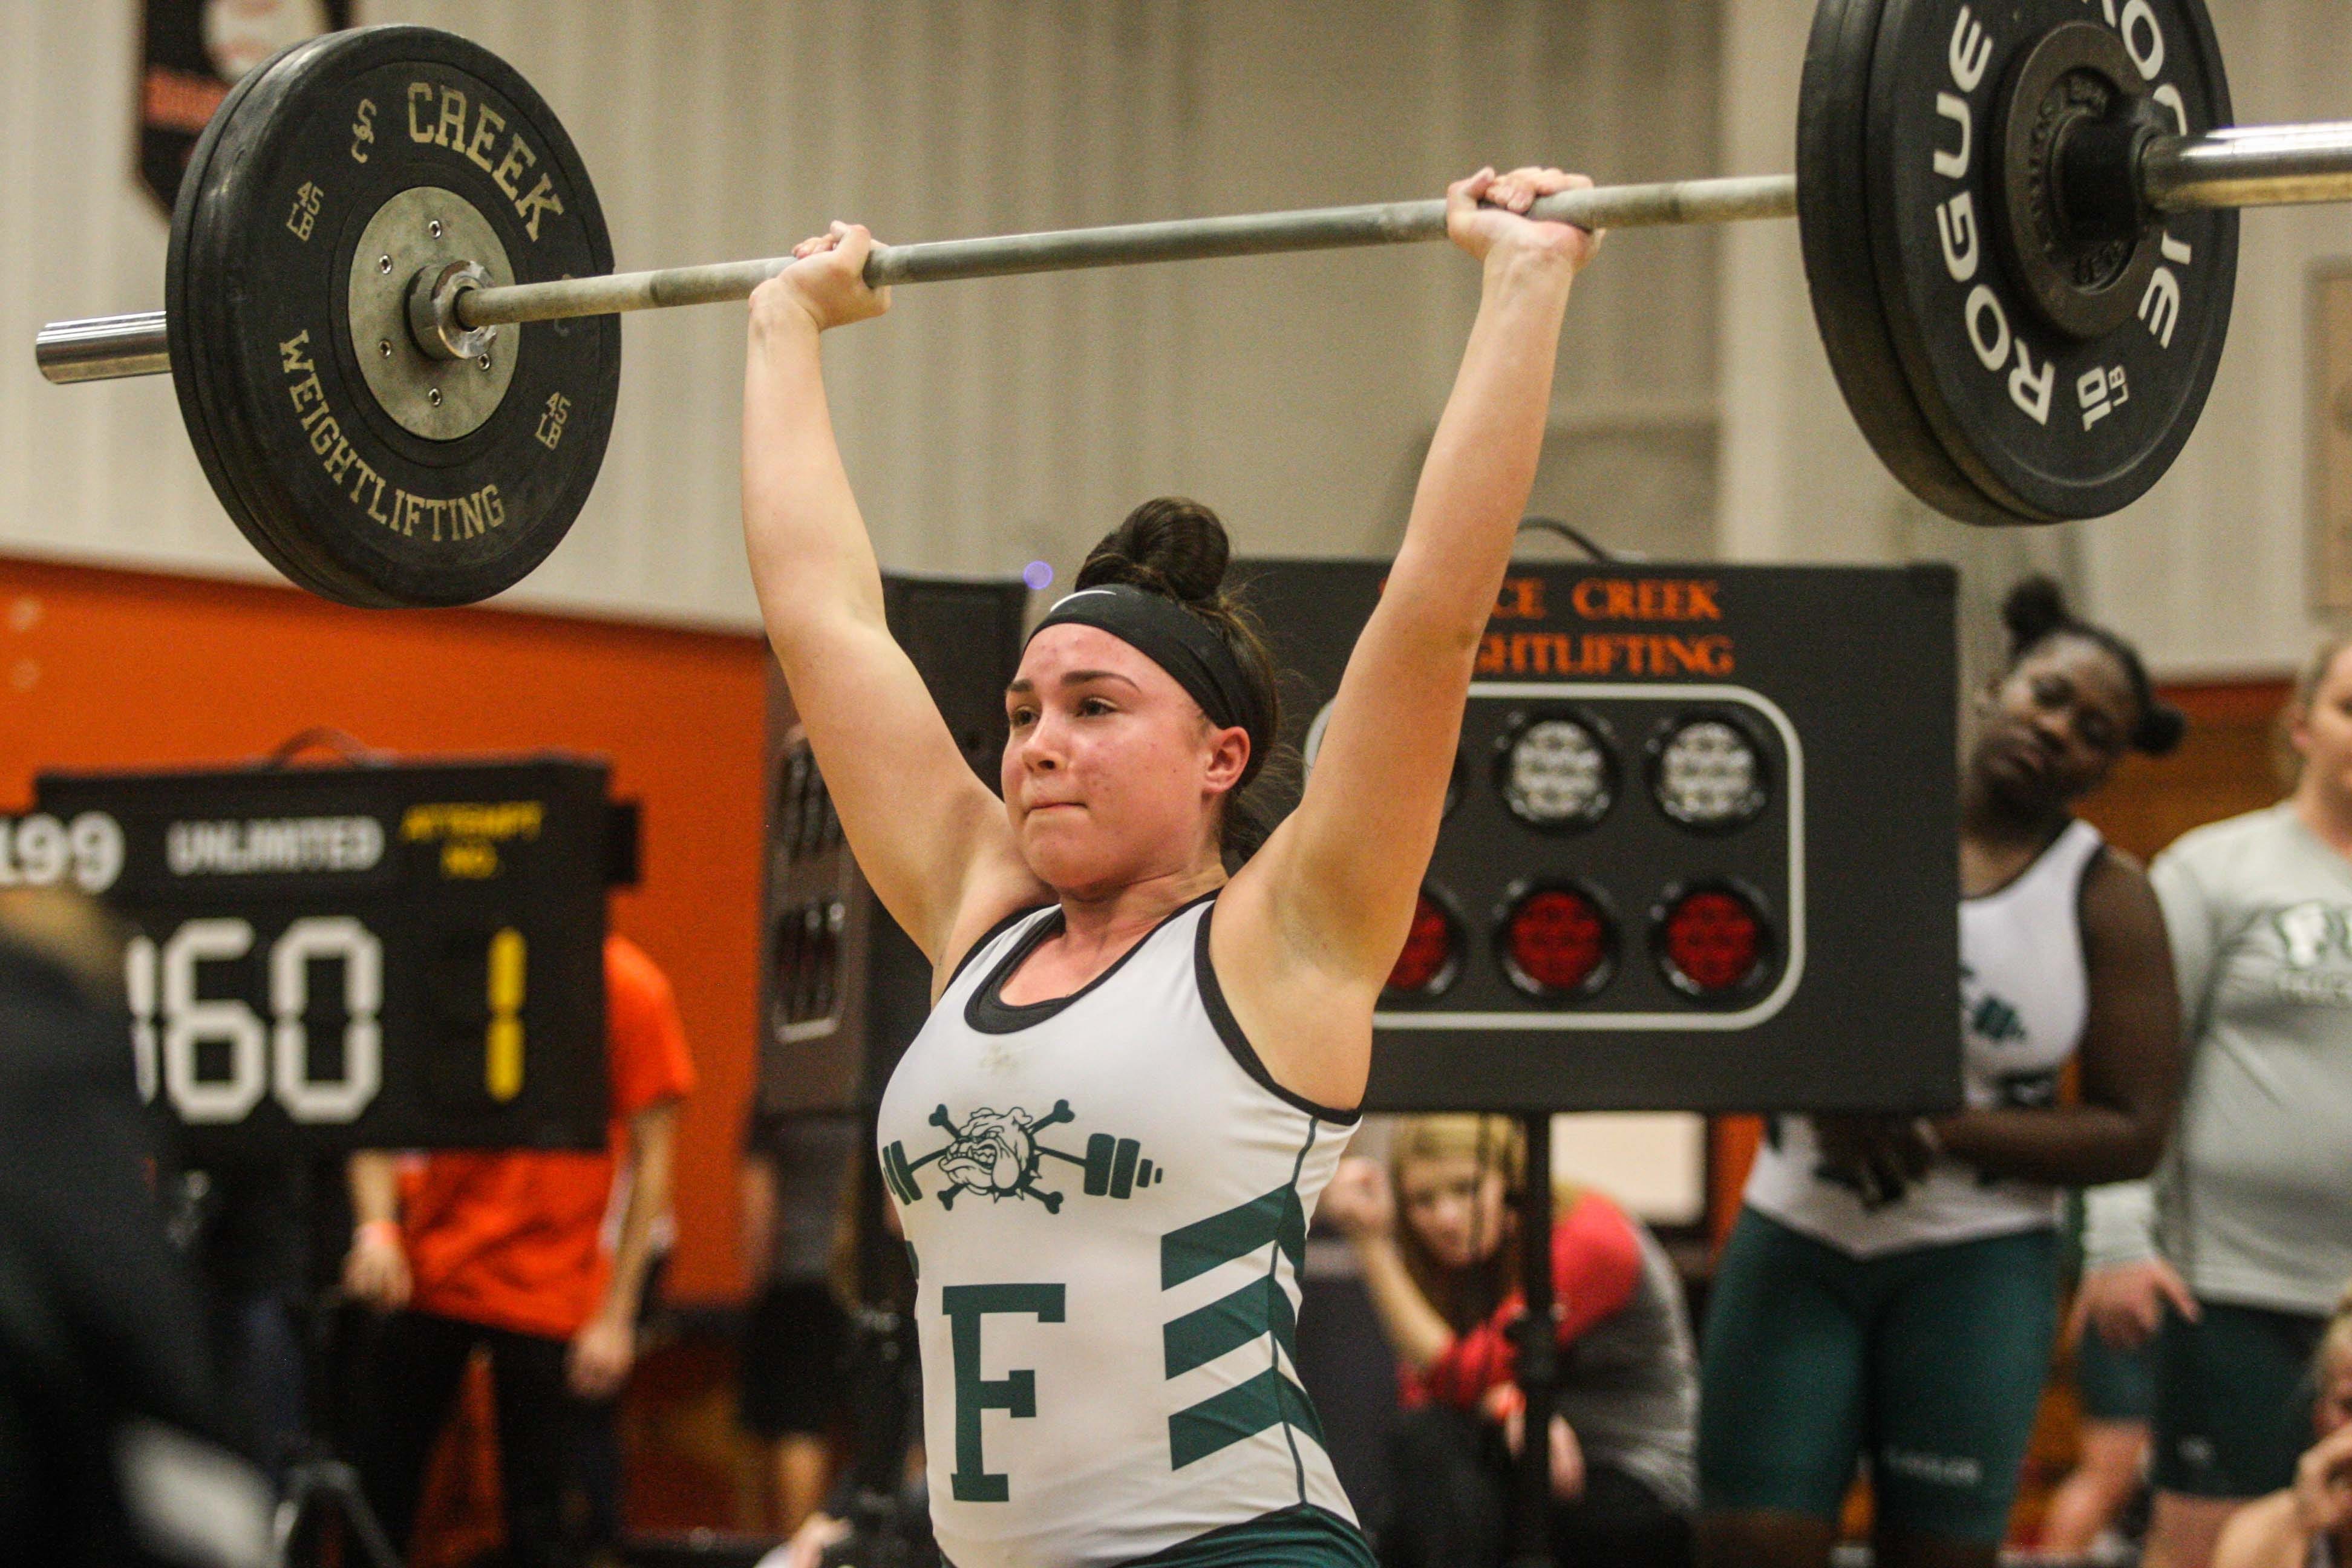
x,y
2273,165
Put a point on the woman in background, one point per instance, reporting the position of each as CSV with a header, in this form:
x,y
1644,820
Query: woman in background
x,y
1890,1291
1438,1236
2233,1257
2308,1524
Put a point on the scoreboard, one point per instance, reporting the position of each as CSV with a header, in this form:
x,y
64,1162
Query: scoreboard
x,y
1699,851
399,956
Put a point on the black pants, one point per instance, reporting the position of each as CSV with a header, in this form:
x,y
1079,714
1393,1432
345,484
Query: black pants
x,y
411,1383
1452,1485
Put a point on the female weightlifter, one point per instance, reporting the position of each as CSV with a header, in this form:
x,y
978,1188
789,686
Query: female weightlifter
x,y
2240,1246
1140,1071
1889,1292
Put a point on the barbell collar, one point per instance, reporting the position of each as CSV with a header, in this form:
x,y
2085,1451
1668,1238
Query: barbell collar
x,y
2248,166
99,348
1123,244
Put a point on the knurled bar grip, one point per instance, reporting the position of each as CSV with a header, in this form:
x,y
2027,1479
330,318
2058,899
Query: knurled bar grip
x,y
1181,239
2272,166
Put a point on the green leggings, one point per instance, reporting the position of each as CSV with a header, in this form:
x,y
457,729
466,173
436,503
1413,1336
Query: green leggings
x,y
1928,1363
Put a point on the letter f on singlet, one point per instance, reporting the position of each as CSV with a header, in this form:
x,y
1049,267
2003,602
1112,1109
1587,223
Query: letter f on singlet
x,y
1015,1393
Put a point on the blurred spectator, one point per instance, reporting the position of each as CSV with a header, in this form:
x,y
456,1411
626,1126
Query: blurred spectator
x,y
1889,1293
879,1508
244,1228
112,1445
2233,1255
1437,1238
2308,1524
2089,1512
503,1250
796,1336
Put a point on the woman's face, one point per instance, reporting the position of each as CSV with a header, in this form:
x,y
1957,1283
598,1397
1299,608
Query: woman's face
x,y
2058,723
1454,1205
2324,735
1111,772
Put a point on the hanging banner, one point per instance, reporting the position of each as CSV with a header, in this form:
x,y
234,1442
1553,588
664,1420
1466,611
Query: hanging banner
x,y
192,52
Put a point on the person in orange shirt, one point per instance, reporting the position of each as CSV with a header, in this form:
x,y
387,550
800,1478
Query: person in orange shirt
x,y
503,1249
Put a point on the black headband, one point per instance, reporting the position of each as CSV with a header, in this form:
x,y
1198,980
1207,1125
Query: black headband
x,y
1184,646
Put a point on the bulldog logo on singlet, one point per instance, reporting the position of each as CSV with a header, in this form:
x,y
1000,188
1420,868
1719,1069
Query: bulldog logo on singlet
x,y
996,1154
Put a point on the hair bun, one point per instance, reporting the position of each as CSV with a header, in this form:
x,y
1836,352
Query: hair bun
x,y
2033,609
2160,730
1168,545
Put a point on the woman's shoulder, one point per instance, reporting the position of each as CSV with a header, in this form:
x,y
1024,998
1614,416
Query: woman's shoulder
x,y
981,921
2217,847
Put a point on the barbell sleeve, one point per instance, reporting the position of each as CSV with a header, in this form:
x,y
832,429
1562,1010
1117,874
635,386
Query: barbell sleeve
x,y
103,347
2248,166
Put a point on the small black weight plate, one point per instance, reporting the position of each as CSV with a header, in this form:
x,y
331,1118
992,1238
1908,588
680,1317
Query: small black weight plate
x,y
1841,268
348,501
2046,425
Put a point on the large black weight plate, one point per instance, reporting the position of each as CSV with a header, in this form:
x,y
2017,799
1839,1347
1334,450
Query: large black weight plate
x,y
1980,405
314,470
1840,273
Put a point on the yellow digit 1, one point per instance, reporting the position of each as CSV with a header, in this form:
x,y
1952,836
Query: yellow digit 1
x,y
503,1072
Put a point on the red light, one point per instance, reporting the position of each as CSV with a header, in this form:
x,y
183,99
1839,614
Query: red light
x,y
1557,941
1427,961
1714,942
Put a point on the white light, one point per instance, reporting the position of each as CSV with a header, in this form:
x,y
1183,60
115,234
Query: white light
x,y
1557,775
1708,775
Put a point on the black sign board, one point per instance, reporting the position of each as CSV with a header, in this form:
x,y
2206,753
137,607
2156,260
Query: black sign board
x,y
398,956
192,53
1700,848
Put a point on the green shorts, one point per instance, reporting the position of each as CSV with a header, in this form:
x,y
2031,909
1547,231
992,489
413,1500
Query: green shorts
x,y
1928,1365
2115,1384
1301,1537
2232,1400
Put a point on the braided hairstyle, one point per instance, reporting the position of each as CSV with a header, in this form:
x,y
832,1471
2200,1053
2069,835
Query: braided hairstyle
x,y
1177,549
2035,610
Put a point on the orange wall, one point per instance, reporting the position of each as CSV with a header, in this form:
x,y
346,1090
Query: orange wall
x,y
116,670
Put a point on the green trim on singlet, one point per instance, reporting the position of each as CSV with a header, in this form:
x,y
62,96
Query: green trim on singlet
x,y
1259,1309
1200,1336
1301,1537
1192,1250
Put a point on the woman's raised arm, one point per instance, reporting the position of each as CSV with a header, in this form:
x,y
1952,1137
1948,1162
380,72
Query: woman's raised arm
x,y
928,834
1335,884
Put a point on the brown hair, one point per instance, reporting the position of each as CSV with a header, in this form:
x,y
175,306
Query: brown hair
x,y
78,934
2334,1339
2306,692
1178,549
1467,1296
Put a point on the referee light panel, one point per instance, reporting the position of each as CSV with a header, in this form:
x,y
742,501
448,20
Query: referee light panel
x,y
1698,848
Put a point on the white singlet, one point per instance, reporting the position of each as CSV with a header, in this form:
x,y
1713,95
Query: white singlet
x,y
2024,999
1106,1197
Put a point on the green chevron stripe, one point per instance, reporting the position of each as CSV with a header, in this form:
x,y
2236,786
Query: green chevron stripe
x,y
1258,1309
1243,1411
1192,1251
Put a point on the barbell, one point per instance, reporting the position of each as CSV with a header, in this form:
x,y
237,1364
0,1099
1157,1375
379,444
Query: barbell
x,y
391,317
